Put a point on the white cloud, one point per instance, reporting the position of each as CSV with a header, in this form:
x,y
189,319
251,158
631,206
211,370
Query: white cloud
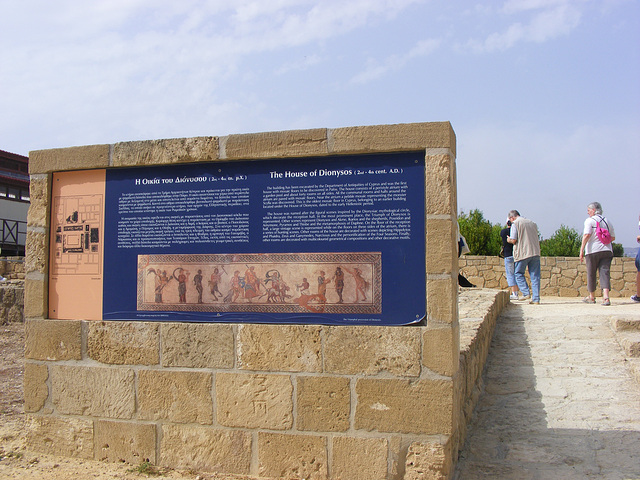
x,y
396,62
544,20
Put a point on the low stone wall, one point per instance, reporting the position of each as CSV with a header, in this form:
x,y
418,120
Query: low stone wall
x,y
11,302
12,268
560,276
278,401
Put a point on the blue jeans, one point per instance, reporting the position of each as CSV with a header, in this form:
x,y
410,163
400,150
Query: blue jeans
x,y
533,263
510,270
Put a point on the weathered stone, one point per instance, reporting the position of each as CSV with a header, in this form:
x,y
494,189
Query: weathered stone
x,y
206,449
123,343
197,345
442,298
293,143
35,386
254,401
441,245
383,405
440,186
292,456
39,191
93,391
71,437
174,150
427,461
441,349
323,404
288,348
125,442
359,458
36,293
390,138
370,350
53,340
178,396
36,245
71,158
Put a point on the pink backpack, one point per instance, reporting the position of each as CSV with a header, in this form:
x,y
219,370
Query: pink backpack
x,y
603,233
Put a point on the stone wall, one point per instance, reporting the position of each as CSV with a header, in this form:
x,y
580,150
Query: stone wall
x,y
281,401
560,276
12,290
12,268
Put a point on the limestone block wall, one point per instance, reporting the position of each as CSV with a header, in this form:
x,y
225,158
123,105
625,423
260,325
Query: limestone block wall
x,y
11,302
296,401
560,276
12,268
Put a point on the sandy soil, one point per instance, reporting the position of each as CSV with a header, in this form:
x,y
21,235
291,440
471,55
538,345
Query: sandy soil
x,y
17,462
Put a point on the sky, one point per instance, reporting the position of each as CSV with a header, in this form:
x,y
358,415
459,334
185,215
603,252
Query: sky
x,y
544,95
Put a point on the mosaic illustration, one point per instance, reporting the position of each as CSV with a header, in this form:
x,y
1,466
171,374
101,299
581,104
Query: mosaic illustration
x,y
277,282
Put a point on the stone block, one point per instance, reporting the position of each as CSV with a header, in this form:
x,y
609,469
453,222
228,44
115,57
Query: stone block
x,y
323,404
442,298
390,138
441,245
157,152
369,350
123,343
359,458
69,437
254,401
125,442
197,345
288,348
292,456
178,396
39,191
427,461
93,391
36,297
293,143
441,349
440,187
38,257
206,449
72,158
53,339
390,405
36,390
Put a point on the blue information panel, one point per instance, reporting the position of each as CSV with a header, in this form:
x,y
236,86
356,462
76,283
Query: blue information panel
x,y
331,240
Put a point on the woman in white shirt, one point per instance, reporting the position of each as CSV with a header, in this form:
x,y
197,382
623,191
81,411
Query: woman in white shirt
x,y
596,254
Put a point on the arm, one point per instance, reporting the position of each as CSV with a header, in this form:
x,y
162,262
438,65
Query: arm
x,y
512,240
585,239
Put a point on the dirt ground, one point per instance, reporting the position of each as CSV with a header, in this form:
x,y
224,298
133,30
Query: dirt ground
x,y
18,462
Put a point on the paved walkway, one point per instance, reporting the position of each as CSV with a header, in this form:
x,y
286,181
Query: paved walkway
x,y
560,401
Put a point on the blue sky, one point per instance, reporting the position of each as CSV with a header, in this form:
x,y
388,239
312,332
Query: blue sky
x,y
544,95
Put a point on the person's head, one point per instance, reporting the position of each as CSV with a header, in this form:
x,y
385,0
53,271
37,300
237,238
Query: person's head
x,y
513,214
594,208
508,222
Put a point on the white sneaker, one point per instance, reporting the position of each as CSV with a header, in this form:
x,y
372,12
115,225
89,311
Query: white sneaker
x,y
513,296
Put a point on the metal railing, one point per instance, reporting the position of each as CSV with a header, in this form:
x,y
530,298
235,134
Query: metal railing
x,y
13,235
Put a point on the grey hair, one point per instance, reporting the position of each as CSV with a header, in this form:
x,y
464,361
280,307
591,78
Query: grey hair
x,y
596,206
513,213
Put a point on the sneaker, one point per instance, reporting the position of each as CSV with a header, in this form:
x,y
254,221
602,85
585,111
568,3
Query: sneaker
x,y
589,300
635,298
534,302
606,301
514,296
525,297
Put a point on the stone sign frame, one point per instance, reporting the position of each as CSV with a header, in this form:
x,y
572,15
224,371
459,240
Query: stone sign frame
x,y
323,402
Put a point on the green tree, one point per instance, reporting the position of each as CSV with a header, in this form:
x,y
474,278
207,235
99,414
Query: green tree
x,y
483,237
565,242
618,249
